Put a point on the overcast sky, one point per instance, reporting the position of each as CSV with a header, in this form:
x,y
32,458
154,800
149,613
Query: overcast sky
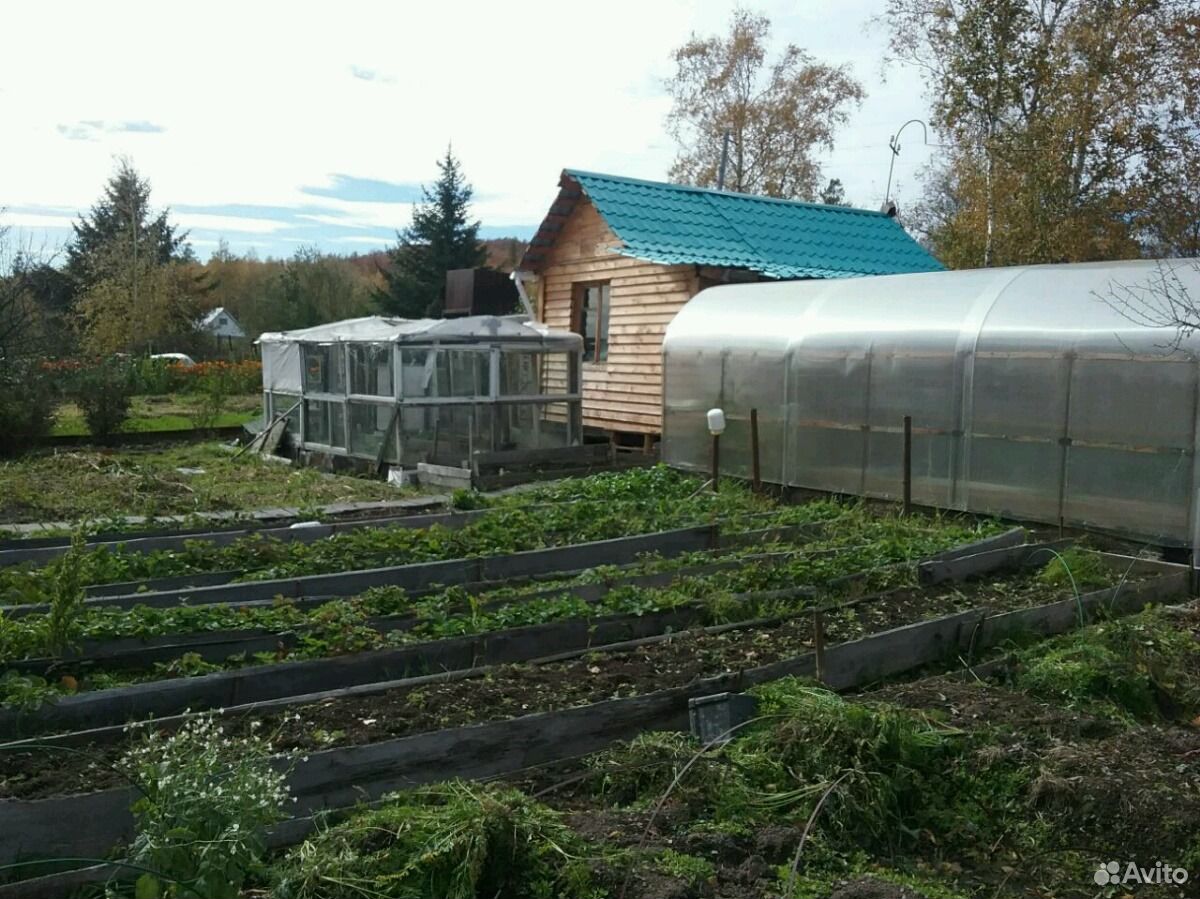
x,y
279,124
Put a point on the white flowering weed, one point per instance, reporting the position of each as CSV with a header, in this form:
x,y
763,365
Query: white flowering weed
x,y
207,800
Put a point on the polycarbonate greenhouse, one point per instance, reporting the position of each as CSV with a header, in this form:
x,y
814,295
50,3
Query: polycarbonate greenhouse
x,y
1039,393
406,391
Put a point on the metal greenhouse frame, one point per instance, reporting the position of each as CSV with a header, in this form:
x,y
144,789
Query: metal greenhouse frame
x,y
427,390
1042,393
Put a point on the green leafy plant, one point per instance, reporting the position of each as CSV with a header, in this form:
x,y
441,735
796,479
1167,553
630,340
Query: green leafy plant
x,y
206,801
690,868
66,598
463,500
25,692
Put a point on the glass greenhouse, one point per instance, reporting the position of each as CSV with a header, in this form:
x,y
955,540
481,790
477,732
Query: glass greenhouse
x,y
405,391
1048,393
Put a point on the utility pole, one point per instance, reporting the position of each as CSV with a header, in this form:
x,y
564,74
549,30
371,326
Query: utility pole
x,y
894,146
133,221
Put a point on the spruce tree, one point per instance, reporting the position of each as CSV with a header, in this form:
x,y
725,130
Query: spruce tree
x,y
121,216
440,238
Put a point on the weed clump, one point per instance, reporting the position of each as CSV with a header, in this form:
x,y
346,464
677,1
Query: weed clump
x,y
1077,570
878,767
206,801
455,840
1142,667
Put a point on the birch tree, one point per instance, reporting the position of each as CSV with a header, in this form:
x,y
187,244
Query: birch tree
x,y
776,114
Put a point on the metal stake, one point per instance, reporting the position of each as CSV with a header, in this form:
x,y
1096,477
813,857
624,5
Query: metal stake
x,y
756,472
716,460
907,464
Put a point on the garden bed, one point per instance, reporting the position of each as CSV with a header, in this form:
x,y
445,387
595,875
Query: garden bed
x,y
396,709
331,778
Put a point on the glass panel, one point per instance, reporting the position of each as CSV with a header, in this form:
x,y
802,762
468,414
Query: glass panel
x,y
371,369
417,369
463,373
282,402
602,333
554,427
447,439
593,321
337,425
368,427
316,422
519,374
323,368
555,374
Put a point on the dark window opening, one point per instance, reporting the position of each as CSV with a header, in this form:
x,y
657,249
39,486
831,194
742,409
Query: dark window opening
x,y
592,302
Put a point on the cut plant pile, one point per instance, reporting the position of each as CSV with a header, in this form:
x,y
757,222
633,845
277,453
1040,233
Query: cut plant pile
x,y
94,487
944,787
514,690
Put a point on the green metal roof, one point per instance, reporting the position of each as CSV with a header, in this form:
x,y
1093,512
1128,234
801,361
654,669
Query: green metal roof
x,y
676,224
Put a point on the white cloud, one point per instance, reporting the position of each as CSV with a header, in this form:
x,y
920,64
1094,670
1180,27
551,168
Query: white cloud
x,y
36,220
257,100
223,223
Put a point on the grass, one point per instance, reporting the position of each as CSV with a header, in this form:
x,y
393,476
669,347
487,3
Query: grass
x,y
95,486
173,412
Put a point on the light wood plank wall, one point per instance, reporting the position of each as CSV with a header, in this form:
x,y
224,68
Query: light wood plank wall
x,y
624,393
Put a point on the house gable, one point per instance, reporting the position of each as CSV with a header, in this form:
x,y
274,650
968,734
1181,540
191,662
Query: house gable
x,y
624,392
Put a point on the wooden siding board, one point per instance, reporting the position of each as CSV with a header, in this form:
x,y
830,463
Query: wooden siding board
x,y
624,393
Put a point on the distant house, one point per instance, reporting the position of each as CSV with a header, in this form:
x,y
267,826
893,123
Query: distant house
x,y
220,324
615,258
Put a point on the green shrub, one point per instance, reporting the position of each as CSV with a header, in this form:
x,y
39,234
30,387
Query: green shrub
x,y
103,393
455,841
27,404
207,801
215,388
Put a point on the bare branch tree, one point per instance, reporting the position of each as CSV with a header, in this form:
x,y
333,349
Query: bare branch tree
x,y
1163,302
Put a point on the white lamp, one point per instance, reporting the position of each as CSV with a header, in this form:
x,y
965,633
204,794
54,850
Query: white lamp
x,y
716,422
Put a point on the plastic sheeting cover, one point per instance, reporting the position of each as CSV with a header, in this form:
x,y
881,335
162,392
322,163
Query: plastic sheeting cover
x,y
469,329
1032,394
283,369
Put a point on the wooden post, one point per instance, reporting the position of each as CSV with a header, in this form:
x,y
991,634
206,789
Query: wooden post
x,y
756,472
907,464
716,460
819,643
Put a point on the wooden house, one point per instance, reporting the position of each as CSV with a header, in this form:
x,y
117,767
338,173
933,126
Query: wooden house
x,y
616,258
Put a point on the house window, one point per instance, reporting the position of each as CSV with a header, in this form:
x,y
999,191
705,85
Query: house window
x,y
590,317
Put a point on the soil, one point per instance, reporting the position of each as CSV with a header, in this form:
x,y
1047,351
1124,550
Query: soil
x,y
1116,790
515,690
